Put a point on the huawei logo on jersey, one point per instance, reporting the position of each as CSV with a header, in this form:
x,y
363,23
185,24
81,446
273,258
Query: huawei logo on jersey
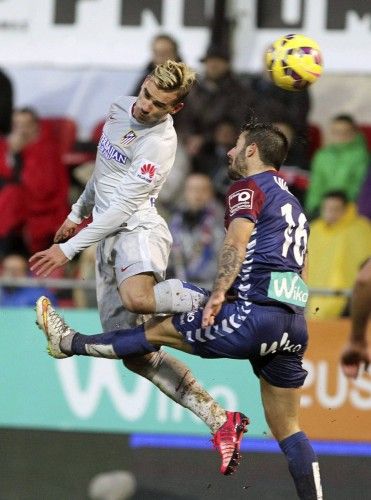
x,y
148,170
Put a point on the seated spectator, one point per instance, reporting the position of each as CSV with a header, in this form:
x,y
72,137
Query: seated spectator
x,y
6,103
339,242
217,96
16,266
273,104
197,230
33,184
213,161
341,165
163,47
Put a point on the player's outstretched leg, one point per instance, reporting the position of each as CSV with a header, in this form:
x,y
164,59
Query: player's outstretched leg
x,y
227,427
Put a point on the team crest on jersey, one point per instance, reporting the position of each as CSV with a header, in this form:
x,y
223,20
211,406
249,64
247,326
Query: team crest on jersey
x,y
146,171
128,138
240,200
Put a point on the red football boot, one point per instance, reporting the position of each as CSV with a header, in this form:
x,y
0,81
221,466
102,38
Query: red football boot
x,y
227,441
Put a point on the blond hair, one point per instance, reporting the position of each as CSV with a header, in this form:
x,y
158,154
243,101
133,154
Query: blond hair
x,y
174,76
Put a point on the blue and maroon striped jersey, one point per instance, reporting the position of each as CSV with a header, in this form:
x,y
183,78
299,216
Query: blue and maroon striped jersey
x,y
277,247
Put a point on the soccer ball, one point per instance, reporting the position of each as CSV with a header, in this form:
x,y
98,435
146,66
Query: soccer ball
x,y
294,62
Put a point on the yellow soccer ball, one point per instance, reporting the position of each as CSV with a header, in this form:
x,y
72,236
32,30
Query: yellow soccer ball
x,y
294,62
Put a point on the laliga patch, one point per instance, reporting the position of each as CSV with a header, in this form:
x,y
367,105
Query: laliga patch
x,y
147,171
240,200
128,138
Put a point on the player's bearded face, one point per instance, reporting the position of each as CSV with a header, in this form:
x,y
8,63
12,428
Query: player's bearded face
x,y
153,104
237,161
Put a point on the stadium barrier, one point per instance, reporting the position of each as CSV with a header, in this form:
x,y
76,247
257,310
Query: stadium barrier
x,y
70,284
90,394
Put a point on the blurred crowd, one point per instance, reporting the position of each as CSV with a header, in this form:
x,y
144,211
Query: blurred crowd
x,y
43,169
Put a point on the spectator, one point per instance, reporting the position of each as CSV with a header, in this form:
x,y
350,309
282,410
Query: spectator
x,y
6,103
16,266
296,178
196,227
340,240
212,160
163,47
218,85
273,104
33,184
341,165
364,198
174,184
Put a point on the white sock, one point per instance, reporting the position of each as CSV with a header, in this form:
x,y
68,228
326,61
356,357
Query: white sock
x,y
174,296
175,380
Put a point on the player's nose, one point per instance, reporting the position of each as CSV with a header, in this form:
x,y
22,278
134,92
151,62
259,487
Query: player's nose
x,y
230,153
147,106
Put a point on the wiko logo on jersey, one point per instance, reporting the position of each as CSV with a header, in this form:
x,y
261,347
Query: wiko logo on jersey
x,y
288,287
109,151
147,171
283,345
240,200
128,138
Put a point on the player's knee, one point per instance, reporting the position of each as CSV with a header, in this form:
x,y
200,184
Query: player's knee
x,y
281,423
144,365
282,428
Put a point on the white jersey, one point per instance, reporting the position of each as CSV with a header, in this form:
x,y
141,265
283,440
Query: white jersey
x,y
133,161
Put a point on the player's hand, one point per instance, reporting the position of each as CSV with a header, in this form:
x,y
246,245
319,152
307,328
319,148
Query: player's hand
x,y
45,262
353,356
66,231
212,308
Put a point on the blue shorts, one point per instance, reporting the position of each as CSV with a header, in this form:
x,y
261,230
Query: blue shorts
x,y
272,338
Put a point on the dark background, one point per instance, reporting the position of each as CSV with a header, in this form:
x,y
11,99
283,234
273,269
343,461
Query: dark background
x,y
45,465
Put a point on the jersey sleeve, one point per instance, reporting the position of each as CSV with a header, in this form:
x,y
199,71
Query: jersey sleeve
x,y
244,199
84,205
150,165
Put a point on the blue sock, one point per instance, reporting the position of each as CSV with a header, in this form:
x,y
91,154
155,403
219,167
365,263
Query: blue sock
x,y
117,344
303,466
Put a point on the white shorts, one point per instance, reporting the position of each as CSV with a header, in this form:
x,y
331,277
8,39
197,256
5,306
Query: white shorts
x,y
123,255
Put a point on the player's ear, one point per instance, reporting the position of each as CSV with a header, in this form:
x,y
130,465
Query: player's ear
x,y
251,149
177,108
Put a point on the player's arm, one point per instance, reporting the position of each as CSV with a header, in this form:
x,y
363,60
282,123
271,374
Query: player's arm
x,y
304,271
231,257
357,351
132,192
80,210
129,196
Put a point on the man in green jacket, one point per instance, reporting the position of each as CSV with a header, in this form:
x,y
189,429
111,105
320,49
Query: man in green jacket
x,y
341,165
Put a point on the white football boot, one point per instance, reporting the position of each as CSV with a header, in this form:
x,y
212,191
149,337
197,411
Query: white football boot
x,y
53,326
